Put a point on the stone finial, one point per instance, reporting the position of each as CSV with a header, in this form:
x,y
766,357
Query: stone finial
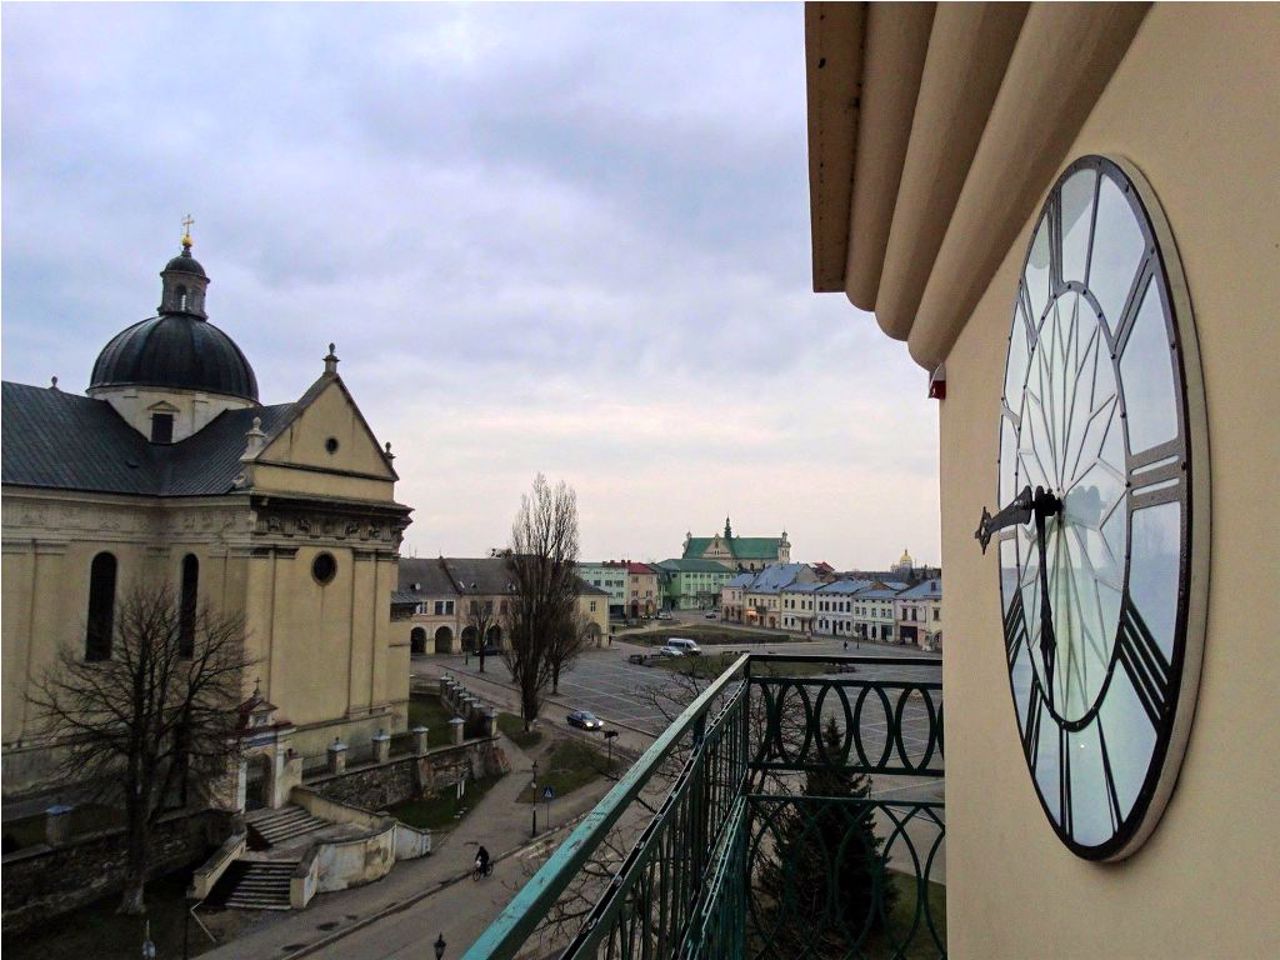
x,y
390,455
331,361
53,383
419,740
381,746
255,439
337,756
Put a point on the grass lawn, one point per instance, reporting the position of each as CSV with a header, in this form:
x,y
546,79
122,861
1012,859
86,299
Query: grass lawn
x,y
708,634
711,665
98,931
428,711
567,766
441,812
513,727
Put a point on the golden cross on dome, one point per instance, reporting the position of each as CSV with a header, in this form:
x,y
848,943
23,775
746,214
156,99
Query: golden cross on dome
x,y
186,230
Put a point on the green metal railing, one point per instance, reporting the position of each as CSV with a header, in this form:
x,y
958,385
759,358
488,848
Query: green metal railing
x,y
730,847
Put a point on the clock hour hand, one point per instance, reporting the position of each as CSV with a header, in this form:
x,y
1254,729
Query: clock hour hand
x,y
1019,510
1045,505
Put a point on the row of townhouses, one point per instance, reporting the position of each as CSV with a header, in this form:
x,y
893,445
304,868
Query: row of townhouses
x,y
794,597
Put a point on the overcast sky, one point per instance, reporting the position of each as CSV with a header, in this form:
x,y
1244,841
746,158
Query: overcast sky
x,y
568,239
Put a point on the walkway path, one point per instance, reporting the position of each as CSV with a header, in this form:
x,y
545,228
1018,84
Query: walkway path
x,y
441,883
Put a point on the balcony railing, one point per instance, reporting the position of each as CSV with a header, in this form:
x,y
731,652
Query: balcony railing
x,y
745,831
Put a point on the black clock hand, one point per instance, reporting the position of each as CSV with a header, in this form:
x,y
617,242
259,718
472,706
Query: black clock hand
x,y
1018,511
1045,505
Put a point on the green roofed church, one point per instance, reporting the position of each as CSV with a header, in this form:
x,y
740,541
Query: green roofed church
x,y
739,553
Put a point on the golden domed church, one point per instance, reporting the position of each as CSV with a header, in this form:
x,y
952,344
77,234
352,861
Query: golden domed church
x,y
171,470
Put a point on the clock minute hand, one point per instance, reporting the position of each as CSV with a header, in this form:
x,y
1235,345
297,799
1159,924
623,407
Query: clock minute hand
x,y
1045,505
1019,510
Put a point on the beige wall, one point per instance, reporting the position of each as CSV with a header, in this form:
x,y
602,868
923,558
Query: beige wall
x,y
1196,107
327,654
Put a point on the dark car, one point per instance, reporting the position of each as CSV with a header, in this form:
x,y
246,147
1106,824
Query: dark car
x,y
585,719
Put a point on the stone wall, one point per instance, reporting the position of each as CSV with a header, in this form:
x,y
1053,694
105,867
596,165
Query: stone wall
x,y
43,882
377,786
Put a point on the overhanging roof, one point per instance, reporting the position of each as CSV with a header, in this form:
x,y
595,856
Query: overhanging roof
x,y
934,131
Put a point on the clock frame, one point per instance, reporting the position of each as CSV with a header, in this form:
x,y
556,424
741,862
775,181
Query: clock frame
x,y
1107,277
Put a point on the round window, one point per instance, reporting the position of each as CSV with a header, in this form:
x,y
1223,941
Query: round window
x,y
324,568
331,444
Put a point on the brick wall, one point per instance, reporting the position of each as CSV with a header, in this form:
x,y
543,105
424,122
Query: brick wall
x,y
379,786
43,882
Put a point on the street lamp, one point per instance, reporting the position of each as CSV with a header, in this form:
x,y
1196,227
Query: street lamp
x,y
148,948
608,738
534,830
440,945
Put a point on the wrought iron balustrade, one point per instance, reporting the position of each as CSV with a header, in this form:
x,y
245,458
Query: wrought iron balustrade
x,y
715,843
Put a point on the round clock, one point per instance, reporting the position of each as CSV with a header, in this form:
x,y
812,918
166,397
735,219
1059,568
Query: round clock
x,y
1102,522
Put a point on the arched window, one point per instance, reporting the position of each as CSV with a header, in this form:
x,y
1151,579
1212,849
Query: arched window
x,y
180,292
102,608
187,605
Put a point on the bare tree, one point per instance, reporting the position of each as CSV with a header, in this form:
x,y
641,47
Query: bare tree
x,y
567,643
481,617
156,718
544,551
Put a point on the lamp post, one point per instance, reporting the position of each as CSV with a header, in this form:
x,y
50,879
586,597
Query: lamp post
x,y
148,948
534,830
440,945
608,738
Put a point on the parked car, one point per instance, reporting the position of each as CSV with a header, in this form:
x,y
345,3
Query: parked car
x,y
585,719
491,651
639,658
669,651
711,615
664,614
687,647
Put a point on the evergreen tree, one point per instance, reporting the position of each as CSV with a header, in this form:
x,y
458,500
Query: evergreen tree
x,y
824,885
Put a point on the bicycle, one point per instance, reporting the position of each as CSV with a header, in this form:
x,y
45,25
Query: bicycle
x,y
481,871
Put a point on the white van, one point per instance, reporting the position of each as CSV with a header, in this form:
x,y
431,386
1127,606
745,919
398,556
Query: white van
x,y
686,647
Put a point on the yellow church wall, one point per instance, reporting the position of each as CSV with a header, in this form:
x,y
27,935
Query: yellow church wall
x,y
278,479
1195,105
330,415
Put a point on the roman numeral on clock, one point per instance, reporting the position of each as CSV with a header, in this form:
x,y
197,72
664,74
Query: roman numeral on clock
x,y
1015,628
1031,729
1143,661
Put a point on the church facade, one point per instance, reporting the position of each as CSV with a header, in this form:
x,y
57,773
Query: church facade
x,y
171,471
737,553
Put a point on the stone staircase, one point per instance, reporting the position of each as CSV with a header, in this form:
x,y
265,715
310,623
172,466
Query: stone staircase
x,y
255,885
286,823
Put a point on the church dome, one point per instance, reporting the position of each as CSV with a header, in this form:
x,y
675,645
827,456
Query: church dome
x,y
175,351
185,263
179,348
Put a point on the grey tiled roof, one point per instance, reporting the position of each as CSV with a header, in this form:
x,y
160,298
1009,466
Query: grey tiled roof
x,y
63,441
925,590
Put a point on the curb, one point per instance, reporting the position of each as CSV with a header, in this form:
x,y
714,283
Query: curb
x,y
332,938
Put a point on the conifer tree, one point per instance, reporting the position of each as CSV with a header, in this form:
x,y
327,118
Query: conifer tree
x,y
823,887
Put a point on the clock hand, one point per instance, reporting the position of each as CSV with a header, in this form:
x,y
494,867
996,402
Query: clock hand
x,y
1045,505
1019,510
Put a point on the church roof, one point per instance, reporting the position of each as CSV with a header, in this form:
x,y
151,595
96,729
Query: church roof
x,y
693,565
176,351
63,441
743,548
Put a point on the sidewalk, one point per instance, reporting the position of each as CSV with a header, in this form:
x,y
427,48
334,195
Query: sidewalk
x,y
498,822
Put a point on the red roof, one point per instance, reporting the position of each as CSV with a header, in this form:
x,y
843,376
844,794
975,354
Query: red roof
x,y
639,568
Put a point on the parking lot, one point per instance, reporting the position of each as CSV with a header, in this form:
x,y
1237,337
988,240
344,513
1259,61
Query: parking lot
x,y
603,682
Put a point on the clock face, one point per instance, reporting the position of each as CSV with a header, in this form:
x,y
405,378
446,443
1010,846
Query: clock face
x,y
1103,409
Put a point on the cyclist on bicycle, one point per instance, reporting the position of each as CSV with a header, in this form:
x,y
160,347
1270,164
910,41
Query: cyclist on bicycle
x,y
482,861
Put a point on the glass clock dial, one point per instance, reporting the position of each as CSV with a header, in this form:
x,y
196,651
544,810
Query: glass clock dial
x,y
1103,417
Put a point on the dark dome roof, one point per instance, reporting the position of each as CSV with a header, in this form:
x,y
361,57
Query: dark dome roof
x,y
186,263
175,350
